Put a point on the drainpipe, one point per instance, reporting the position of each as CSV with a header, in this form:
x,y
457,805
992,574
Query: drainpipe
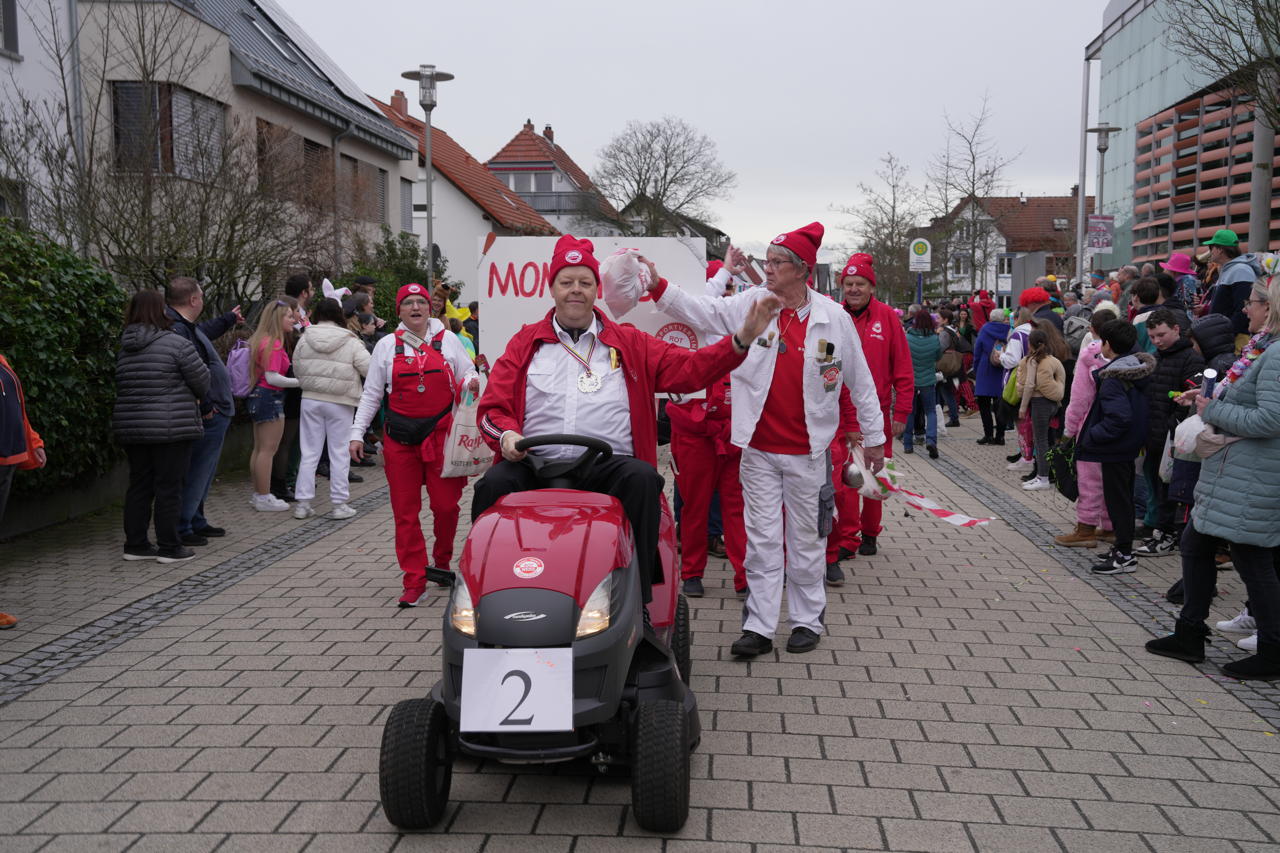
x,y
337,207
77,105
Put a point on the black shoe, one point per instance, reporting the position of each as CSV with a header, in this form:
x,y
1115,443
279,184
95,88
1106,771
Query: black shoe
x,y
908,450
370,449
802,640
174,555
845,553
835,575
919,436
443,577
364,463
997,442
353,477
933,450
954,422
715,547
211,531
1176,594
1264,666
1116,562
986,439
142,552
323,471
868,546
692,588
741,593
1185,643
1013,457
194,539
751,644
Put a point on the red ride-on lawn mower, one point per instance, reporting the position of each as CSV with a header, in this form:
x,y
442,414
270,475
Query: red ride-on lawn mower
x,y
550,655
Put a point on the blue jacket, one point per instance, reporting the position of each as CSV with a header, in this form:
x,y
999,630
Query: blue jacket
x,y
1116,427
990,378
202,336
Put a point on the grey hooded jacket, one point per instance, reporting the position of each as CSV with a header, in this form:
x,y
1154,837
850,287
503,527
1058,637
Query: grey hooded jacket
x,y
159,381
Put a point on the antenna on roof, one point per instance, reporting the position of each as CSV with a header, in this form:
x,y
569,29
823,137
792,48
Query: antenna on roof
x,y
1022,198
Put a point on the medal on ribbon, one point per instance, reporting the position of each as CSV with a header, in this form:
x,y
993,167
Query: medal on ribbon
x,y
589,382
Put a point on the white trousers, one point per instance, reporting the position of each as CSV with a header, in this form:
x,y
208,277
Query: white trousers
x,y
321,420
772,482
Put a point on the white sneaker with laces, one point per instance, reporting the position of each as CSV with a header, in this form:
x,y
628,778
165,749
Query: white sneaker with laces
x,y
1241,624
302,509
1249,643
268,503
1020,465
1037,484
341,511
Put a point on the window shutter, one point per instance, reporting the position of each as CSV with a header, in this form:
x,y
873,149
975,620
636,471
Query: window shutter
x,y
406,205
380,215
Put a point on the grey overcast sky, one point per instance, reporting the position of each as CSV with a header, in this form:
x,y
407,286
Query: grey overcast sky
x,y
802,97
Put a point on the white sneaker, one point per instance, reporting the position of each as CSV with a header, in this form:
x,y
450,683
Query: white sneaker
x,y
1249,643
268,503
942,430
302,509
341,511
1037,484
1021,465
1242,624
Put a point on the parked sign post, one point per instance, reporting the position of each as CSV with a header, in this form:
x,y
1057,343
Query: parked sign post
x,y
920,261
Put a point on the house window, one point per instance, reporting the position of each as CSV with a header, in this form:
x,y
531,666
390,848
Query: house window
x,y
522,182
542,182
406,204
965,231
959,266
13,199
1061,223
166,128
1004,265
9,26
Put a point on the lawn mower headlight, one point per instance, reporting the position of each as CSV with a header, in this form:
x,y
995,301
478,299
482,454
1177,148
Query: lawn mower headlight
x,y
462,613
595,615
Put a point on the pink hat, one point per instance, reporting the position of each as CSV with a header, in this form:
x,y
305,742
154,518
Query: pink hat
x,y
1179,264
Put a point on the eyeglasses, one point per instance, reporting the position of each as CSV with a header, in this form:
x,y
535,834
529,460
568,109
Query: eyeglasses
x,y
1253,300
770,262
413,303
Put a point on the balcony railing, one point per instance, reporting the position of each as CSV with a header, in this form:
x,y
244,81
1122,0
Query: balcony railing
x,y
560,203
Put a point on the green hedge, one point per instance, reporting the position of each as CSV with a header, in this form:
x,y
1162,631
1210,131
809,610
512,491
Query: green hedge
x,y
60,319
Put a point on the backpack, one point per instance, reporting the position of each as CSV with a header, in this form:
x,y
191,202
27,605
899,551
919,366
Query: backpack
x,y
238,368
1074,330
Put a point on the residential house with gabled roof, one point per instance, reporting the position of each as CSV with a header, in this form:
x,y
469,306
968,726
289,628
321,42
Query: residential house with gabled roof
x,y
976,245
644,216
545,176
469,202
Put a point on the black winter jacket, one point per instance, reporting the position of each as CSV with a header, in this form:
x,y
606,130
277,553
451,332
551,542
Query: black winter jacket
x,y
1116,426
159,381
1174,367
1216,338
203,335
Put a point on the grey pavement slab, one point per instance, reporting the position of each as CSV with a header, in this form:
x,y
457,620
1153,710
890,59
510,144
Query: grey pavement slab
x,y
976,690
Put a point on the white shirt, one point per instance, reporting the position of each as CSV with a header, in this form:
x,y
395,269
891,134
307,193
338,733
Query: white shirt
x,y
378,382
752,379
553,403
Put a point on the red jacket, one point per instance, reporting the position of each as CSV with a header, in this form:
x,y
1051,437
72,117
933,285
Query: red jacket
x,y
652,367
710,418
884,344
980,308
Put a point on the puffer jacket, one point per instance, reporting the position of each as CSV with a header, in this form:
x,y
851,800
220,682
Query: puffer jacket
x,y
1235,280
1083,388
925,352
990,379
329,361
1047,379
1217,341
1174,367
1236,498
160,379
1116,428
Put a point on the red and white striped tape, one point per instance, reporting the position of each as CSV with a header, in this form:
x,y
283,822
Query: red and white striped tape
x,y
930,506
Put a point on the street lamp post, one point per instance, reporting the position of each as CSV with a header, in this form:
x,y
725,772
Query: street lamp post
x,y
427,76
1104,131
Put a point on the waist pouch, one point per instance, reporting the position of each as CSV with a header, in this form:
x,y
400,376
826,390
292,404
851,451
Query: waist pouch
x,y
412,431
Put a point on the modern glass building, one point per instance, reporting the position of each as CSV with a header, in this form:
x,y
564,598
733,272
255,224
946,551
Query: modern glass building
x,y
1140,76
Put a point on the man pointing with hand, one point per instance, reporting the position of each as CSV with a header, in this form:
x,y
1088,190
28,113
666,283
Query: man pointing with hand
x,y
786,397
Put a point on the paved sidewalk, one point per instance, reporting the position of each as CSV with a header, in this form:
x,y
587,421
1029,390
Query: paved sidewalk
x,y
977,690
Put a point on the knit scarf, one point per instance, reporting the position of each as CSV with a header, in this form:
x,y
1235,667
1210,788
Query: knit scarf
x,y
1256,346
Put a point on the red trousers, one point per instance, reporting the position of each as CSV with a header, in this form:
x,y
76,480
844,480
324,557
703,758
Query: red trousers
x,y
854,516
407,473
700,472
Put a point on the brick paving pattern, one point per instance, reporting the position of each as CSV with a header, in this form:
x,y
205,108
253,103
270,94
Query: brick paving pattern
x,y
977,690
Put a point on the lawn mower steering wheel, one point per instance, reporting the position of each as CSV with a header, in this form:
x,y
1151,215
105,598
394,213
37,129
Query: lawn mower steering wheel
x,y
564,473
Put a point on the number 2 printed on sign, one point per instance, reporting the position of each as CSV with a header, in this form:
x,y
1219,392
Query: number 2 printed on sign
x,y
511,690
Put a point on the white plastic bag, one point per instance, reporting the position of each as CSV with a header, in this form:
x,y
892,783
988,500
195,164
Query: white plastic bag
x,y
870,488
624,280
465,453
1166,461
1184,439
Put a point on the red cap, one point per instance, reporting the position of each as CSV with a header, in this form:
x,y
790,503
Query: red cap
x,y
860,263
572,252
803,241
713,268
1033,296
411,290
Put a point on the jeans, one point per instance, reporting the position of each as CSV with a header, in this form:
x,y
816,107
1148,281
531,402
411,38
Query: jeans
x,y
200,472
155,480
926,401
1257,568
1042,411
948,397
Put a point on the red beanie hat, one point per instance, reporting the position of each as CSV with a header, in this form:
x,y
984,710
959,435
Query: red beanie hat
x,y
860,263
572,252
803,241
411,290
713,268
1033,296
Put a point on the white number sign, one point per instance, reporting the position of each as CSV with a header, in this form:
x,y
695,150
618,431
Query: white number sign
x,y
517,690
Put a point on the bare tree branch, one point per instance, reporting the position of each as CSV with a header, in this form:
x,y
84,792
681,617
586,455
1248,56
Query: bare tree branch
x,y
881,223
